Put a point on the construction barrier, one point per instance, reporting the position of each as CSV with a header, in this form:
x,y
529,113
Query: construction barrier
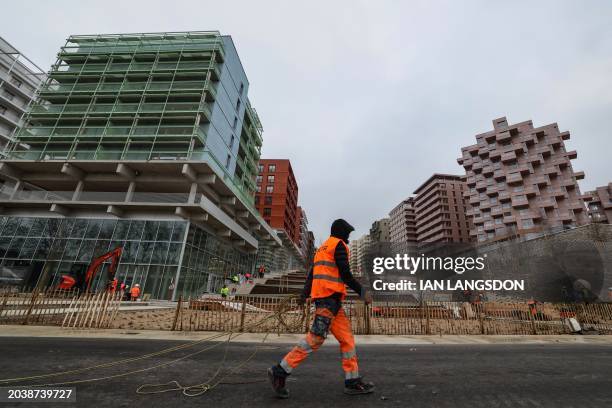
x,y
393,317
239,313
66,308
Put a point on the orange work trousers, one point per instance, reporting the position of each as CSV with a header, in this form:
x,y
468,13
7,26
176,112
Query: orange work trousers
x,y
329,316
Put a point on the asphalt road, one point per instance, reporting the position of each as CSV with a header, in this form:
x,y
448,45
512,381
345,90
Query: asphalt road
x,y
407,376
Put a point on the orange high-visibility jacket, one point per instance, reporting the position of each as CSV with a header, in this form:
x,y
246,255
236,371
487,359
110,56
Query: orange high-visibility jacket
x,y
325,274
135,292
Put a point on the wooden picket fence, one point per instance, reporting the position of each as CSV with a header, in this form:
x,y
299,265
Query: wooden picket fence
x,y
241,313
258,314
66,308
253,314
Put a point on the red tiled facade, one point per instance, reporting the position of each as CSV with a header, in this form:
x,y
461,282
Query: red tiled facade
x,y
440,210
276,196
599,204
520,182
402,222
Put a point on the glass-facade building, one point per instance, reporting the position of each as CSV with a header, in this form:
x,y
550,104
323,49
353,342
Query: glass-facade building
x,y
39,250
146,97
144,141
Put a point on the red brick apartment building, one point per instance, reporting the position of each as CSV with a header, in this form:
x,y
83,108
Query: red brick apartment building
x,y
276,196
402,222
440,210
599,204
520,182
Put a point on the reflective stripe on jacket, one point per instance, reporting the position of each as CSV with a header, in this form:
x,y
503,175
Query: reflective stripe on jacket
x,y
325,274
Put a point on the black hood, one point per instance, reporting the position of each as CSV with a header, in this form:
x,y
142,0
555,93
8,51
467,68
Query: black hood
x,y
341,229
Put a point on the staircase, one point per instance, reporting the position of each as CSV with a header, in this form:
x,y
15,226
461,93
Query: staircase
x,y
289,282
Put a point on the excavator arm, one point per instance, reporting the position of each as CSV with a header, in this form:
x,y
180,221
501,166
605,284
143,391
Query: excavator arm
x,y
115,254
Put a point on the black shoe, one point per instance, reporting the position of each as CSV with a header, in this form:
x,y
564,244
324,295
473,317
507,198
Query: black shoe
x,y
358,387
278,384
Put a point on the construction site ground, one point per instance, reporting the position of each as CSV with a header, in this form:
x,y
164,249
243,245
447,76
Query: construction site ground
x,y
409,371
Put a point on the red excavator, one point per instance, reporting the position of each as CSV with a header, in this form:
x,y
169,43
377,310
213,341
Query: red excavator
x,y
69,282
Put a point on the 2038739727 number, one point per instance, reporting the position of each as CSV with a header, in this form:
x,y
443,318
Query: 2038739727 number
x,y
24,394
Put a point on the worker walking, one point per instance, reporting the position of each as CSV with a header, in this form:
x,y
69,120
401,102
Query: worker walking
x,y
326,285
135,292
224,291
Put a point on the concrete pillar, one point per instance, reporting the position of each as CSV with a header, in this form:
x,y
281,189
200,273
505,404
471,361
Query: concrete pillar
x,y
130,192
192,193
77,191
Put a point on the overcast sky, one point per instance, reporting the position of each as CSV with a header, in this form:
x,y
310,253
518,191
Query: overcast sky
x,y
368,99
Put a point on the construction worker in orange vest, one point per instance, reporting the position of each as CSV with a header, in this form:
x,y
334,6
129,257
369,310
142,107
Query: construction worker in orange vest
x,y
135,292
326,285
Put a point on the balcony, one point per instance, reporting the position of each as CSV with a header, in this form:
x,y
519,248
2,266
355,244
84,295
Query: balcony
x,y
503,136
495,154
523,169
530,191
483,152
551,171
481,186
561,162
547,203
508,157
528,138
541,181
492,191
499,175
488,170
565,135
543,150
577,206
504,195
579,175
497,210
519,201
558,193
535,159
554,141
509,219
514,178
568,183
572,154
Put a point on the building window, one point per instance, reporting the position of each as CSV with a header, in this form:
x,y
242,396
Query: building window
x,y
269,189
272,168
231,146
16,82
256,200
527,223
228,161
268,200
241,88
259,179
8,95
3,109
270,179
238,105
260,167
235,123
258,188
267,212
